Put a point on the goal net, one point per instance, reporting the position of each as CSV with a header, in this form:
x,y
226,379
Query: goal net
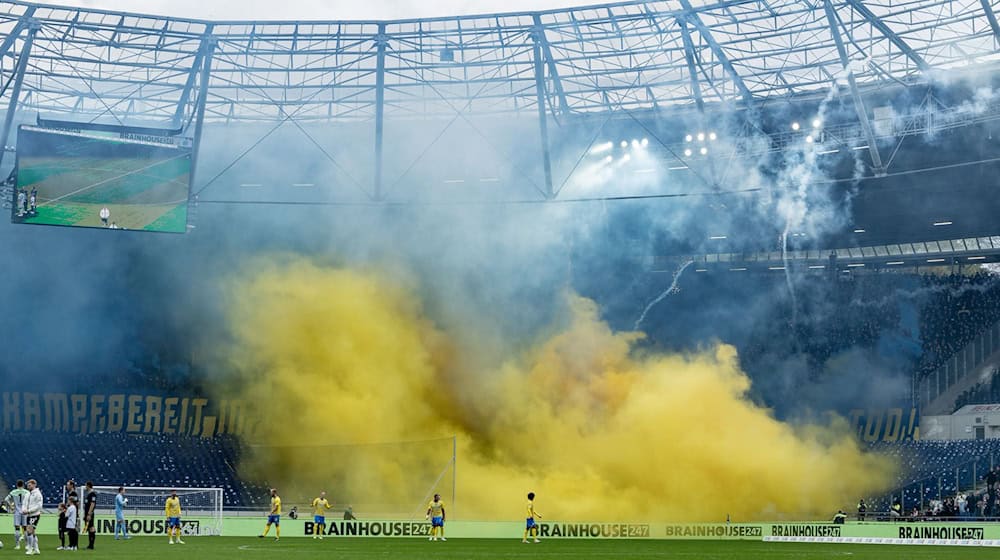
x,y
144,511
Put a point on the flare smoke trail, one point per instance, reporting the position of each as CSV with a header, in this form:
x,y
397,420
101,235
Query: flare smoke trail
x,y
581,416
668,291
795,208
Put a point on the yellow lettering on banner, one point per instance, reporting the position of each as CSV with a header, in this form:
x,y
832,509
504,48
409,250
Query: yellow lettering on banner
x,y
199,406
170,415
237,418
913,425
893,425
32,413
232,414
221,426
184,428
97,413
208,427
133,414
56,412
873,429
11,412
154,410
116,413
856,417
78,412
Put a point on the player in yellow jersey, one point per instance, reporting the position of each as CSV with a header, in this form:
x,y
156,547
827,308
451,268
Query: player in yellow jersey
x,y
320,505
436,513
274,517
172,508
530,526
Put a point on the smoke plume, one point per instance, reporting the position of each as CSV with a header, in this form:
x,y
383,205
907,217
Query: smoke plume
x,y
583,417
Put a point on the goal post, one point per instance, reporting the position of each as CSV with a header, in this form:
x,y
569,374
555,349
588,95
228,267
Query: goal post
x,y
144,512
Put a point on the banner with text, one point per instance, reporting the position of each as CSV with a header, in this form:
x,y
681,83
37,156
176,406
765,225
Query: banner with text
x,y
121,412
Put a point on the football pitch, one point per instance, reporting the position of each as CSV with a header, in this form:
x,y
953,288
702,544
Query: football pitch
x,y
226,548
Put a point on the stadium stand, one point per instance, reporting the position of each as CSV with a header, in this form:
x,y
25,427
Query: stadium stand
x,y
935,470
958,309
130,460
985,392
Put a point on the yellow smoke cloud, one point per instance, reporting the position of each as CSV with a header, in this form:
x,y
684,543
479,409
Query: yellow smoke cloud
x,y
341,361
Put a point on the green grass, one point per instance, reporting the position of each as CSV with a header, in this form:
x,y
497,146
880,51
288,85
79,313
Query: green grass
x,y
233,548
174,220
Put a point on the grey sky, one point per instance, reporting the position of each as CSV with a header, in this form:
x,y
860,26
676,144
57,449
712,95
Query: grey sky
x,y
320,9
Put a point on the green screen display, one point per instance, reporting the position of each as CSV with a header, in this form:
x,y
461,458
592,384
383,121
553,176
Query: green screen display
x,y
89,180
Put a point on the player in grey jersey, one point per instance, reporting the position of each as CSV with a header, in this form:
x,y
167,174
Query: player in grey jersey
x,y
15,503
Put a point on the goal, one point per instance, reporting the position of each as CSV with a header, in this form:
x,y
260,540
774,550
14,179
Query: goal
x,y
201,507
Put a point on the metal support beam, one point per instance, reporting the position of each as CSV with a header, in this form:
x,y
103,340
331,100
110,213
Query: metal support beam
x,y
859,104
193,74
543,126
692,17
8,41
888,33
381,41
22,65
692,66
551,63
992,17
207,49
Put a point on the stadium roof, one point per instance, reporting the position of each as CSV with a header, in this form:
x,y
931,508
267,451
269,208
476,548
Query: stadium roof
x,y
620,56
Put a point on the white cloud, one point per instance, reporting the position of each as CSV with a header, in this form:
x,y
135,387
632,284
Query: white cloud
x,y
320,9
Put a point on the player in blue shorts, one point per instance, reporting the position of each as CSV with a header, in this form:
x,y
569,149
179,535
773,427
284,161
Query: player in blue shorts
x,y
530,527
172,508
320,505
436,513
274,516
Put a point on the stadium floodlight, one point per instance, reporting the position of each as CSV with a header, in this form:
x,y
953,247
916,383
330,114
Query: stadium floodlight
x,y
817,123
645,142
809,139
608,159
712,136
701,136
601,148
687,152
626,158
624,144
704,151
688,138
635,144
795,125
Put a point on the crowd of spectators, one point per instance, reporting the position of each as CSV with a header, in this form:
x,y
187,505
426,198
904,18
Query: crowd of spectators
x,y
927,317
958,307
984,392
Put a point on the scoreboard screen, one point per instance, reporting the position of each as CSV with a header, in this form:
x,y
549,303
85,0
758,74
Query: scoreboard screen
x,y
100,180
